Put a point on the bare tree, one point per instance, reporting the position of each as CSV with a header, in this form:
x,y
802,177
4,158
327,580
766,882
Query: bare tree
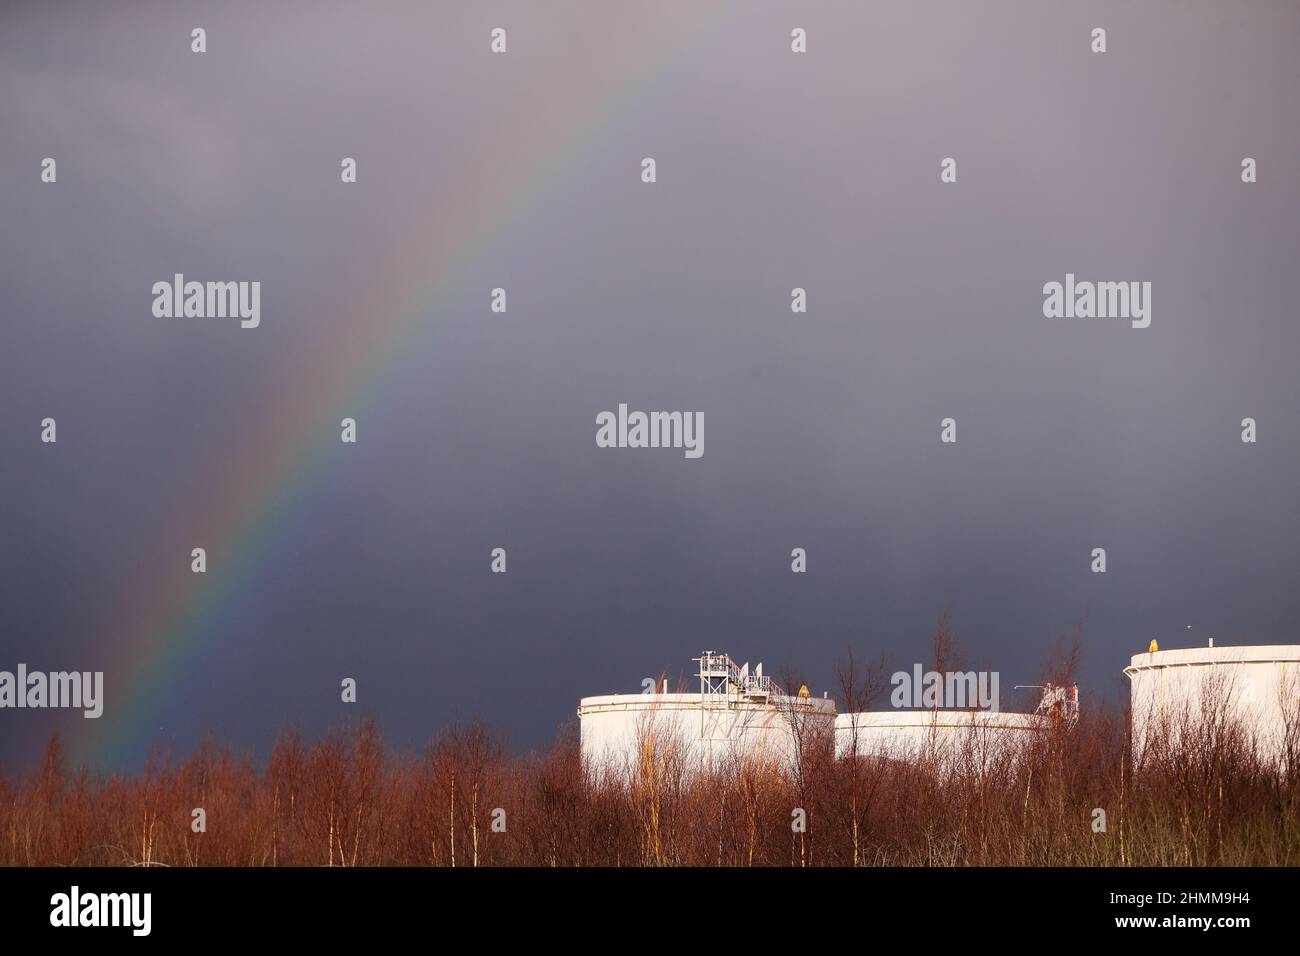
x,y
860,687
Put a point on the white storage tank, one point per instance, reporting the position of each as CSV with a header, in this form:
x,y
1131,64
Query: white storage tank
x,y
946,736
736,715
1183,691
953,738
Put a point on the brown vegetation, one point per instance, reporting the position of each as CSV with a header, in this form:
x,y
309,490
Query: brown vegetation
x,y
347,800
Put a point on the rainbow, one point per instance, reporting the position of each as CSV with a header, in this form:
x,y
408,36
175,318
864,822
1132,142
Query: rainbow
x,y
166,612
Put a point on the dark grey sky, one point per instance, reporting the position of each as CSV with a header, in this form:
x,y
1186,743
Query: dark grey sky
x,y
477,430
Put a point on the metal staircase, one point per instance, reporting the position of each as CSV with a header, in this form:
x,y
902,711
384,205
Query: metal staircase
x,y
723,686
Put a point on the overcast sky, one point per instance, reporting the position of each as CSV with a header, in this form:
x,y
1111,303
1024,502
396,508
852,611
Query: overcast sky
x,y
477,430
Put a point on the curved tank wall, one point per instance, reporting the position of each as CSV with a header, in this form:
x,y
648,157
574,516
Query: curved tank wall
x,y
619,730
948,736
1256,687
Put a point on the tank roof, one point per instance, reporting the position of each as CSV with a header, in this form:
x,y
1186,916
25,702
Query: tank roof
x,y
1223,654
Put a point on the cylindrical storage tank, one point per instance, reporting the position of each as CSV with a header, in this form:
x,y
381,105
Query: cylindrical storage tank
x,y
1177,696
621,732
952,738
